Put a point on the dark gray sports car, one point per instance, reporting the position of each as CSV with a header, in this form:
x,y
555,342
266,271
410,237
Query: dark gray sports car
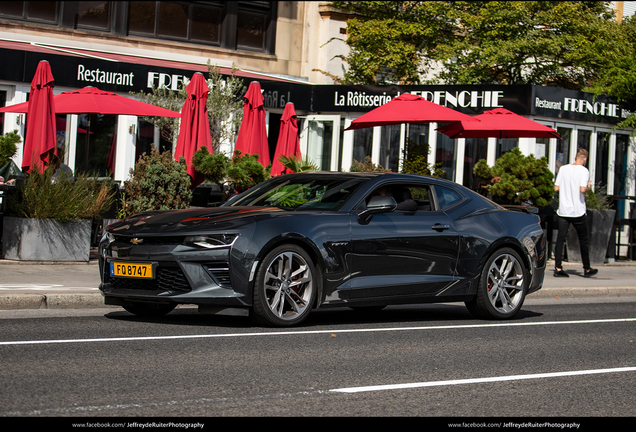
x,y
305,241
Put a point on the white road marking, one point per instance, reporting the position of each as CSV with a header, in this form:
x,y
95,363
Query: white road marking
x,y
481,380
40,287
305,332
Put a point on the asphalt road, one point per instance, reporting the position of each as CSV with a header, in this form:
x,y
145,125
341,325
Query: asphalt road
x,y
573,358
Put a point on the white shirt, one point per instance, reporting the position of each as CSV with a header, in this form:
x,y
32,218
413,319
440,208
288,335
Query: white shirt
x,y
570,180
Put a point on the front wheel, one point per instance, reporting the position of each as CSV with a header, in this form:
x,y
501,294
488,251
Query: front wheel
x,y
285,287
502,286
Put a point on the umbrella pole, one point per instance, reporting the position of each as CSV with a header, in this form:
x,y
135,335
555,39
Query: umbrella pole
x,y
88,131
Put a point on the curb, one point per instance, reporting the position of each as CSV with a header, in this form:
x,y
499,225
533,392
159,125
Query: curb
x,y
50,301
76,301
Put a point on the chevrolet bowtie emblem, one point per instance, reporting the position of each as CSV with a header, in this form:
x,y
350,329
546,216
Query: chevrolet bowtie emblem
x,y
136,241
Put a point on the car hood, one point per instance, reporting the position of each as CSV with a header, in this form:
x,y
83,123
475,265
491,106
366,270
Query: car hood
x,y
183,222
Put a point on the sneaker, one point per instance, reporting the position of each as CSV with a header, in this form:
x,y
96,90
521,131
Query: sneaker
x,y
589,272
560,273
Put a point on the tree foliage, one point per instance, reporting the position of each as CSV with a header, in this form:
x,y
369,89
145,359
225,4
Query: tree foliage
x,y
224,104
394,42
477,42
615,57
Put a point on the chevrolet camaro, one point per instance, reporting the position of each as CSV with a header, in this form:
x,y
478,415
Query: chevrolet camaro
x,y
306,241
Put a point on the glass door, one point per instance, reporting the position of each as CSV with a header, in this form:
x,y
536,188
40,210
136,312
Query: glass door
x,y
320,141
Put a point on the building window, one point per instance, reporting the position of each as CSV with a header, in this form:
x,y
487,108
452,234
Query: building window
x,y
475,149
93,14
42,11
173,20
141,17
390,147
563,148
246,26
206,24
250,30
601,167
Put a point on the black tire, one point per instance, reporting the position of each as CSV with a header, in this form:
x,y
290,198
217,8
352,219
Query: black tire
x,y
149,310
502,286
285,287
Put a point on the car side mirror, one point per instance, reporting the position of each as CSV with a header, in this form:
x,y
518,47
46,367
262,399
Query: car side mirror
x,y
377,204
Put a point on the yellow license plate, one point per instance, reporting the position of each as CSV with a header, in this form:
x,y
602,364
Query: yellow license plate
x,y
132,270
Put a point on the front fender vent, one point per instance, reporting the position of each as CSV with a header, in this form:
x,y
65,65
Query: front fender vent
x,y
220,272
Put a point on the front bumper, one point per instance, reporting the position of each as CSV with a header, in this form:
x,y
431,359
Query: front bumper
x,y
180,275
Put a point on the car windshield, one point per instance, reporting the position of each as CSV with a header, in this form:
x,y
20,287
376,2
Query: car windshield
x,y
301,193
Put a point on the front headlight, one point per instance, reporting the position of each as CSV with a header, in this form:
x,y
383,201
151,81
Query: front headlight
x,y
211,241
107,239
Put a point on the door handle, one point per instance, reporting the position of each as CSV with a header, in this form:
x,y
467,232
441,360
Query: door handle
x,y
440,227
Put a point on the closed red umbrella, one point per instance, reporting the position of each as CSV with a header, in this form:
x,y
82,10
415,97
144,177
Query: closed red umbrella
x,y
499,123
41,135
252,136
288,142
194,131
407,108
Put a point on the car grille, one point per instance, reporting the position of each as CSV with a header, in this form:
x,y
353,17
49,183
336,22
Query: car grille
x,y
168,278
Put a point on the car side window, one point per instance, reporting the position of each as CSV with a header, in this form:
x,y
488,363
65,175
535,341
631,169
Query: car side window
x,y
409,198
446,197
421,196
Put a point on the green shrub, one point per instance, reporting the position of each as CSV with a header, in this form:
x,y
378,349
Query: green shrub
x,y
367,166
242,171
416,160
158,182
245,171
296,164
213,167
63,198
597,199
517,179
8,146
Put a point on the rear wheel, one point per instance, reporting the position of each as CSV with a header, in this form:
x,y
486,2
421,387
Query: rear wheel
x,y
149,309
285,287
502,286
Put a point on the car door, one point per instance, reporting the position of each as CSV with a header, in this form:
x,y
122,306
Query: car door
x,y
404,252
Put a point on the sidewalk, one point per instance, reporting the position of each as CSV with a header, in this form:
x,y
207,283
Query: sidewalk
x,y
49,285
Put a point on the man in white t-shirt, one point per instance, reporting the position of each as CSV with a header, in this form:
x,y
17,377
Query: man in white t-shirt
x,y
572,182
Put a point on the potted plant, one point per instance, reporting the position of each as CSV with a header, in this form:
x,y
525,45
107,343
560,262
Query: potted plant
x,y
237,174
600,221
158,182
50,217
516,179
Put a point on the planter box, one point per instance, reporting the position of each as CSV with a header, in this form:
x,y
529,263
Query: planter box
x,y
46,240
599,230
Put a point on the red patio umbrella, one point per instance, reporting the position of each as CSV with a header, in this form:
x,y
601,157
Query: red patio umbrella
x,y
194,131
41,134
91,100
288,142
499,123
407,108
252,136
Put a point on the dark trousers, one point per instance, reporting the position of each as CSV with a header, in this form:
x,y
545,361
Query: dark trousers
x,y
580,224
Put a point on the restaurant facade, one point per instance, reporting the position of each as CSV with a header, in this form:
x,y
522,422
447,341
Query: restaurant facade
x,y
583,120
275,44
